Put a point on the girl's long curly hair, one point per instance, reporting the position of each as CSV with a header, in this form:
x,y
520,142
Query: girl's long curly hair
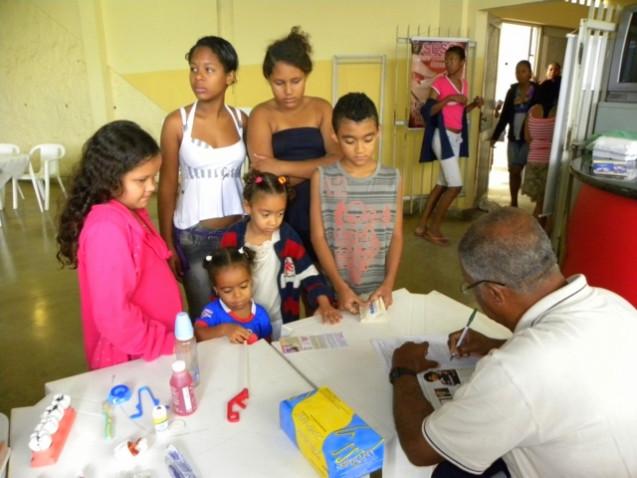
x,y
114,150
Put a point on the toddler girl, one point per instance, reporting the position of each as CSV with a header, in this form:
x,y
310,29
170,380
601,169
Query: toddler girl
x,y
282,266
128,292
234,314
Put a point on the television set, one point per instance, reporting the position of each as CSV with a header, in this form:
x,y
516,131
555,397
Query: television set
x,y
622,80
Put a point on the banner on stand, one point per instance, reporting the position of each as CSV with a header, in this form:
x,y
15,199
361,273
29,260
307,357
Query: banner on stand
x,y
427,62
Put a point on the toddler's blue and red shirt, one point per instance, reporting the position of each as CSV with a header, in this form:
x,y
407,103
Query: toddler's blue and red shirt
x,y
217,313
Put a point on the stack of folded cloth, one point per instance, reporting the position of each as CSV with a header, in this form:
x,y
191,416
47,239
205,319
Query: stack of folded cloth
x,y
615,158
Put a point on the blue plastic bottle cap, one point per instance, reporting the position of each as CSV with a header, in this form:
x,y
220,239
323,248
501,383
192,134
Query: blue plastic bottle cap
x,y
119,394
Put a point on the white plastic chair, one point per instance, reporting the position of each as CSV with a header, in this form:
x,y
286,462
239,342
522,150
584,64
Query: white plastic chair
x,y
50,155
8,148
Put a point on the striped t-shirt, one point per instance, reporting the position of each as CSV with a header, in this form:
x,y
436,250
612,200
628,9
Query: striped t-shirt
x,y
358,218
541,131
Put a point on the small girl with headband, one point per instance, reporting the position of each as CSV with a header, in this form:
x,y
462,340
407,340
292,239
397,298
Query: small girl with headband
x,y
233,314
281,268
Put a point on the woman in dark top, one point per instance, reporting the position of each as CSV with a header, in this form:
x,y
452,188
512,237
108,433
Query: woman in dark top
x,y
291,134
516,105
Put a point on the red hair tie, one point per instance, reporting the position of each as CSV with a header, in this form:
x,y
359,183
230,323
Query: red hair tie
x,y
258,180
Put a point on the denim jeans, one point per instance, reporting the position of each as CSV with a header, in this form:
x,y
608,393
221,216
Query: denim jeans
x,y
193,245
517,153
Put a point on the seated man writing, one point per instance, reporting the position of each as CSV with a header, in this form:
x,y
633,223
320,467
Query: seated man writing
x,y
558,398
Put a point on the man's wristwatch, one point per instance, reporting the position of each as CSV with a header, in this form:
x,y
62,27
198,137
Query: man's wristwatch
x,y
399,372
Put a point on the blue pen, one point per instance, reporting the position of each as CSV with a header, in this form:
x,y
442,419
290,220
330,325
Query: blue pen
x,y
465,331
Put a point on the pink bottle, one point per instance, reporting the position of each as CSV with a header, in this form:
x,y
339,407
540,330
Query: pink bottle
x,y
182,390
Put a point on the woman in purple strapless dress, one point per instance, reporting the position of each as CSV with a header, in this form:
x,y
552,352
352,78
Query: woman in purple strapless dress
x,y
291,134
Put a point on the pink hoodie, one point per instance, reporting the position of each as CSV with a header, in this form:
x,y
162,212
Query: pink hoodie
x,y
129,294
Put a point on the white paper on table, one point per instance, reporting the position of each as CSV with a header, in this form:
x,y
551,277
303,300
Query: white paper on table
x,y
438,351
312,342
451,374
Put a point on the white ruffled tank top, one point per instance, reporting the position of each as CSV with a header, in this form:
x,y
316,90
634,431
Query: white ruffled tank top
x,y
210,185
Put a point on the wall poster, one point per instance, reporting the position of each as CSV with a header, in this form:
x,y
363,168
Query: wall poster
x,y
427,62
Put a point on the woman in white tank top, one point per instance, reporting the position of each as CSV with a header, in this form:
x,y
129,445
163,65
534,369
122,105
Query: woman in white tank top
x,y
200,189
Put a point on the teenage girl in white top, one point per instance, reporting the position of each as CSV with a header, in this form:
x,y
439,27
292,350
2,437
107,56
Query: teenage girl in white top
x,y
203,142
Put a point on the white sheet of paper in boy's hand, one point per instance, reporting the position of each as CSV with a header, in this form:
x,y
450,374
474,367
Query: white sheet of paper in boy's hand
x,y
438,350
373,311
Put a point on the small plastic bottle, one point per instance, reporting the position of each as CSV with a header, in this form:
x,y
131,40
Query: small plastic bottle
x,y
186,345
160,418
182,390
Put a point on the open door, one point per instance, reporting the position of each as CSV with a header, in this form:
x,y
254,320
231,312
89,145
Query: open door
x,y
487,116
552,48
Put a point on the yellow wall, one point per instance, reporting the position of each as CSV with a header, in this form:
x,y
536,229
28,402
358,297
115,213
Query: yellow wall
x,y
68,66
43,79
128,59
147,36
620,3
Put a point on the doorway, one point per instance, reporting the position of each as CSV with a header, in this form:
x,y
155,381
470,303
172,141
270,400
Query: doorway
x,y
510,42
517,42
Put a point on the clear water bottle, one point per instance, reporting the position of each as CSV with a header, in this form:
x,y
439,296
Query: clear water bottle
x,y
186,345
182,390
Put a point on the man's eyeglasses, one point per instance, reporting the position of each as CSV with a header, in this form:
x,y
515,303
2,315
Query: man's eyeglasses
x,y
465,288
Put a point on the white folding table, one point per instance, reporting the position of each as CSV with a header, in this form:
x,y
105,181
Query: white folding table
x,y
255,446
357,374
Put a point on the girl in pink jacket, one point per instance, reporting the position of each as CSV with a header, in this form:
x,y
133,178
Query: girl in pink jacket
x,y
129,294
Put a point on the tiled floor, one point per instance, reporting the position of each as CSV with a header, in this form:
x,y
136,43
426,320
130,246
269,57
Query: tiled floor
x,y
499,180
40,331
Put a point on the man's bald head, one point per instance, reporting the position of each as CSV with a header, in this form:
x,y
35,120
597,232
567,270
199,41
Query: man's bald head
x,y
510,247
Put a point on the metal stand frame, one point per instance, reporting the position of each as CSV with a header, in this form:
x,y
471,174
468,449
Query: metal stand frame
x,y
402,52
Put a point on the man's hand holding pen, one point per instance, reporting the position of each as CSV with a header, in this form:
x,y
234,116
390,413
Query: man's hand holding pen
x,y
474,343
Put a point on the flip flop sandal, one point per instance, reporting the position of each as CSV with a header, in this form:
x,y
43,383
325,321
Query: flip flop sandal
x,y
420,232
437,240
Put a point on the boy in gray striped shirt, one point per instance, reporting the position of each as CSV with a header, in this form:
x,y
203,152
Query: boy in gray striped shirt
x,y
356,210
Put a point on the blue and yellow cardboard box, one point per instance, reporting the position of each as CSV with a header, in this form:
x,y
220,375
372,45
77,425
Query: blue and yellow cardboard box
x,y
336,441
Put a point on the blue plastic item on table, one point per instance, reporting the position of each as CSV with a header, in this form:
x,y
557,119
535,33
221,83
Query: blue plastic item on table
x,y
140,406
119,394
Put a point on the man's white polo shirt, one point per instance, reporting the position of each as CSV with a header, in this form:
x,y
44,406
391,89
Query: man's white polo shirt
x,y
559,398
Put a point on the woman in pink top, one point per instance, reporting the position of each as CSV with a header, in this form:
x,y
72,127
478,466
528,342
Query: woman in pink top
x,y
446,137
129,294
539,135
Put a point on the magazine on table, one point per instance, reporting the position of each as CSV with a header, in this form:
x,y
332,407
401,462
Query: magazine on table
x,y
438,385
